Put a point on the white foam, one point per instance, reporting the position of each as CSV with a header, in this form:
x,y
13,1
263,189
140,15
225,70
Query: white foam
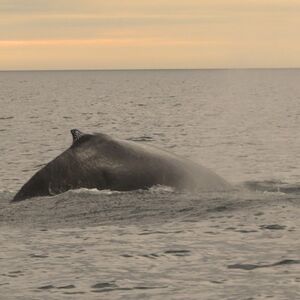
x,y
161,188
93,191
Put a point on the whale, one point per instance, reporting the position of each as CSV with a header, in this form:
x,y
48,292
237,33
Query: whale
x,y
100,161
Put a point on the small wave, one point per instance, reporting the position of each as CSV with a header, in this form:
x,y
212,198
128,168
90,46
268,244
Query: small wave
x,y
157,189
6,118
273,186
249,267
161,189
103,287
93,191
143,138
158,204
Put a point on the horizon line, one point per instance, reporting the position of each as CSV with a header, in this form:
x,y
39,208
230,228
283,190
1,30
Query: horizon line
x,y
152,69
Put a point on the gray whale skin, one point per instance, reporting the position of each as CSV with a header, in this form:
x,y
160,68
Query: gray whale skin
x,y
102,162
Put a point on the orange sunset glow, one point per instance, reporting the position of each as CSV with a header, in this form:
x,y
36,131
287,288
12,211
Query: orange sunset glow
x,y
90,34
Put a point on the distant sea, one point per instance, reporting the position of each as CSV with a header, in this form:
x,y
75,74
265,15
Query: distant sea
x,y
158,243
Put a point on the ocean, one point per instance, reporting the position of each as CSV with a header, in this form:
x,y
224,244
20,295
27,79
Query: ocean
x,y
158,243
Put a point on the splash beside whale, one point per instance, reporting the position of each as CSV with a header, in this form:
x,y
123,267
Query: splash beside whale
x,y
102,162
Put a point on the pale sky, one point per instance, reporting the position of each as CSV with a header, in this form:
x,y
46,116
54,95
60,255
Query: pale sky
x,y
139,34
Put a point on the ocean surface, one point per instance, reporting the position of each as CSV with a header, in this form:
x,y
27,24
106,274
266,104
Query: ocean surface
x,y
158,243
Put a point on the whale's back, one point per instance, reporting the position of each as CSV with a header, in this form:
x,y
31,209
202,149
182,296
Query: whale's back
x,y
99,161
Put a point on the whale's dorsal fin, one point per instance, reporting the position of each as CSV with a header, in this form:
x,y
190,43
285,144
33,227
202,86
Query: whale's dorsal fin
x,y
77,134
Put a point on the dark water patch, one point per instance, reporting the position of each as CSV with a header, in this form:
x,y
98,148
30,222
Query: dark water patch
x,y
46,287
10,275
235,229
215,226
103,285
218,208
189,220
243,266
148,287
230,228
259,214
51,287
15,272
103,290
126,255
80,251
256,266
273,227
211,232
151,255
152,232
287,262
143,138
186,209
247,231
6,118
38,255
69,286
171,146
178,252
218,281
146,232
128,288
73,293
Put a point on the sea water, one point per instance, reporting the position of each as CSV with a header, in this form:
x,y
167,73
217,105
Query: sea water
x,y
157,243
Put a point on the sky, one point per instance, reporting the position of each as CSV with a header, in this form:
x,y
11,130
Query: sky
x,y
156,34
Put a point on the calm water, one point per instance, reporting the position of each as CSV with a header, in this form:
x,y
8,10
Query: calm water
x,y
160,243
